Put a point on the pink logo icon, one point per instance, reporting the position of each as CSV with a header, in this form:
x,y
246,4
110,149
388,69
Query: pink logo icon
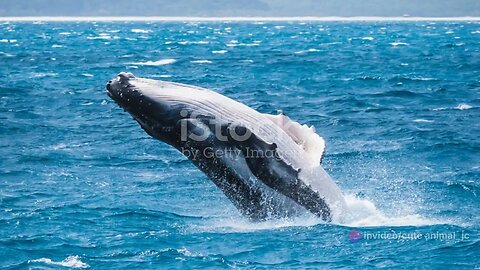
x,y
354,236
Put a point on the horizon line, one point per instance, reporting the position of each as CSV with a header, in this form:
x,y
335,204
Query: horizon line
x,y
237,19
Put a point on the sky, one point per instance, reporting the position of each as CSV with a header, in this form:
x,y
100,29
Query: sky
x,y
245,8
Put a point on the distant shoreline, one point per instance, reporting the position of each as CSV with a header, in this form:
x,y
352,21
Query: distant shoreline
x,y
236,19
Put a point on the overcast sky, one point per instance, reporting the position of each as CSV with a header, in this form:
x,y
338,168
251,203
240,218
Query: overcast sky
x,y
425,8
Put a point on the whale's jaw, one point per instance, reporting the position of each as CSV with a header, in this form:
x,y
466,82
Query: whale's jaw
x,y
153,115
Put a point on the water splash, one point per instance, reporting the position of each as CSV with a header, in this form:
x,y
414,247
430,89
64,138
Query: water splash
x,y
70,261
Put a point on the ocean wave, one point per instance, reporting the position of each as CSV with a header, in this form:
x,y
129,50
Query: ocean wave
x,y
463,106
412,79
186,42
364,213
359,213
162,76
330,43
420,120
368,78
43,74
395,44
178,251
219,52
469,188
100,36
160,62
70,262
8,40
397,93
6,54
145,213
140,31
201,61
307,51
243,44
239,224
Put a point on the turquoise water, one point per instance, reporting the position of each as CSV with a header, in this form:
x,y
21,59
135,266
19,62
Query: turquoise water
x,y
81,185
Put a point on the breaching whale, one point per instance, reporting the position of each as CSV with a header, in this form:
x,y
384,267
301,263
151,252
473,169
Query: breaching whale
x,y
267,165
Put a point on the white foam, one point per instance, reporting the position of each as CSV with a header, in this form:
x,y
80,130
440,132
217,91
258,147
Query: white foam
x,y
43,74
423,79
161,76
368,38
142,31
364,213
6,54
360,213
201,42
307,51
463,106
330,43
201,61
183,251
70,261
423,121
101,36
8,40
57,46
219,52
395,44
239,224
87,75
160,62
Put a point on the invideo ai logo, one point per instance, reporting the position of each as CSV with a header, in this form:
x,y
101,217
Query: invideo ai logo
x,y
354,236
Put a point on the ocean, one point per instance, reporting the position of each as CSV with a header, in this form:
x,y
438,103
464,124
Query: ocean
x,y
83,186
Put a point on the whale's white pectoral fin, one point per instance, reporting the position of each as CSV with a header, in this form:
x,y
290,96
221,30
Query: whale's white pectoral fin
x,y
302,135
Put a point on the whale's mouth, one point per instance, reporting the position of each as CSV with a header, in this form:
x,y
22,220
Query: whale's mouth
x,y
118,86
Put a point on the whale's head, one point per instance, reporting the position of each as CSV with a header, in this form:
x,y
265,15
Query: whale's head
x,y
143,100
122,91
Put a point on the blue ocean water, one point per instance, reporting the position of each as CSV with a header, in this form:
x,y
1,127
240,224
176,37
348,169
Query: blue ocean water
x,y
82,185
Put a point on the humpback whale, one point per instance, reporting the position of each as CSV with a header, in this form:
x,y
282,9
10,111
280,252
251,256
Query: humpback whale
x,y
267,165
